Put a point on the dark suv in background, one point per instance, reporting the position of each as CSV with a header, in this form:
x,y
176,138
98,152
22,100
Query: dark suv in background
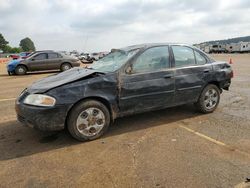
x,y
40,61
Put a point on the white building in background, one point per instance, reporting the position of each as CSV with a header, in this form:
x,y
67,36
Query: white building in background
x,y
238,47
207,48
201,46
233,47
245,47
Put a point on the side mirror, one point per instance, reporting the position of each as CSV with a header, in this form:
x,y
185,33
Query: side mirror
x,y
129,70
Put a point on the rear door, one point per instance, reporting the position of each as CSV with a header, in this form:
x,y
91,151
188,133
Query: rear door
x,y
38,62
54,60
192,73
150,83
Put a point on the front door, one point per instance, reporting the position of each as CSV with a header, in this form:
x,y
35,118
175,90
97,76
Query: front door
x,y
38,62
149,84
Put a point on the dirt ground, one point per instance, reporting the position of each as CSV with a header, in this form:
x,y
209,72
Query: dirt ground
x,y
176,147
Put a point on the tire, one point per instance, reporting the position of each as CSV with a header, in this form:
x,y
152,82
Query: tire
x,y
65,66
20,70
11,73
209,99
83,125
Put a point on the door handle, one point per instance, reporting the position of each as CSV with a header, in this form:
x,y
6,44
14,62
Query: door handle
x,y
206,71
168,76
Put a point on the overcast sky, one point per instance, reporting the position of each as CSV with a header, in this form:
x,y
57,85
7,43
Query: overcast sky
x,y
92,25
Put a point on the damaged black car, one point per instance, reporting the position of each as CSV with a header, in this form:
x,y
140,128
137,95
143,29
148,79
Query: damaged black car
x,y
127,81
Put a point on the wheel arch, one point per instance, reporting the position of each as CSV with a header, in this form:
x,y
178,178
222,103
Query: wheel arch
x,y
21,64
216,83
95,98
66,62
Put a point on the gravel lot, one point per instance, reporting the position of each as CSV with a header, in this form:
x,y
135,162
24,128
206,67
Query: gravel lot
x,y
176,147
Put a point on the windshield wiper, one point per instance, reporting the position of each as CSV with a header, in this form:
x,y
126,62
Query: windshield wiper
x,y
89,68
102,73
97,71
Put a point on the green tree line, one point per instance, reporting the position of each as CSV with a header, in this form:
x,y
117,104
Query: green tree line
x,y
25,45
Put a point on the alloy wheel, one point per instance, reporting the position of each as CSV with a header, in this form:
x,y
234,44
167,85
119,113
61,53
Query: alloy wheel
x,y
90,122
211,98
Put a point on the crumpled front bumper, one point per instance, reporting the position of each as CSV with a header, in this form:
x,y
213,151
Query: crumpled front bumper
x,y
10,68
42,118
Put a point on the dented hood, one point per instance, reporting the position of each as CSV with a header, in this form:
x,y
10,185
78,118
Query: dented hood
x,y
53,81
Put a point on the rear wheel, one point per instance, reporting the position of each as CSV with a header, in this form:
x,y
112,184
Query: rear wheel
x,y
65,66
88,120
20,70
209,99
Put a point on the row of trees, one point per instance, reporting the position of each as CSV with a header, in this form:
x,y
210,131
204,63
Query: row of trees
x,y
25,45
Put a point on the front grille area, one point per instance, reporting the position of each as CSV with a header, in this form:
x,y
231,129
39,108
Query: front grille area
x,y
21,119
23,95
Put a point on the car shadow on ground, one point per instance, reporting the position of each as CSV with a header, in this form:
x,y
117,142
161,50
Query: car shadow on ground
x,y
18,141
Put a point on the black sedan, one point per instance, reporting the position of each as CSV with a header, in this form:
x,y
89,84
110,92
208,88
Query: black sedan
x,y
127,81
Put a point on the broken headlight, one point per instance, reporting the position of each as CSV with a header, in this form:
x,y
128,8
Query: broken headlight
x,y
39,100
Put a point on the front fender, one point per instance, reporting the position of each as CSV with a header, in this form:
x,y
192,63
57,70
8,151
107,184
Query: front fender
x,y
103,88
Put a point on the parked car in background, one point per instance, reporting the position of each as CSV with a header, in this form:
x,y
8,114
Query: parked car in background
x,y
97,56
14,56
127,81
21,55
94,56
218,48
86,58
40,61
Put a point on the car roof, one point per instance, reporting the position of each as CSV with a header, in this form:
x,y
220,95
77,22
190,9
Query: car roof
x,y
148,45
40,51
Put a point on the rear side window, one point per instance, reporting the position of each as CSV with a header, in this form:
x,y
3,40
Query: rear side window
x,y
183,56
52,55
40,56
153,59
200,60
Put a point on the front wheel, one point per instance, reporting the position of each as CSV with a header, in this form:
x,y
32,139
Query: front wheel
x,y
88,120
20,70
209,99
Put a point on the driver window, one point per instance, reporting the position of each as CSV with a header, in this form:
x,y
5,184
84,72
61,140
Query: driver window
x,y
153,59
40,57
